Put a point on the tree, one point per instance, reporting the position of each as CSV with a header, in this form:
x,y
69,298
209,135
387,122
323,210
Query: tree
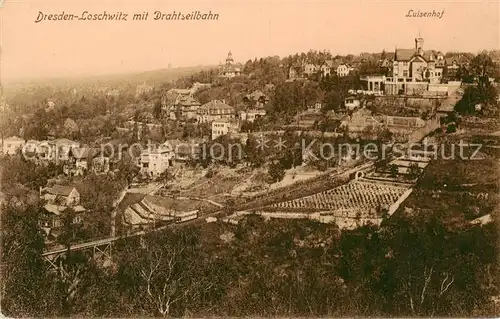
x,y
482,66
276,172
23,270
332,101
484,93
72,270
384,135
253,153
394,170
414,171
166,176
68,227
370,67
157,112
288,99
164,274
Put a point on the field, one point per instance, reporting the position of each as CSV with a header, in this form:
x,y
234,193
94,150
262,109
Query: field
x,y
356,195
216,188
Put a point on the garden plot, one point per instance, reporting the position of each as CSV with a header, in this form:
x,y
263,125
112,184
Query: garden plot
x,y
356,195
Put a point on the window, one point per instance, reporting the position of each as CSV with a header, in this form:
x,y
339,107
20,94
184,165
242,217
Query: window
x,y
405,63
405,73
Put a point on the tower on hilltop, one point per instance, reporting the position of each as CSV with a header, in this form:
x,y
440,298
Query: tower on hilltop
x,y
229,59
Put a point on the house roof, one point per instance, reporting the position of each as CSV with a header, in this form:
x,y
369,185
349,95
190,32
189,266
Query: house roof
x,y
54,209
61,190
458,59
418,57
130,199
85,152
389,55
346,64
188,100
328,63
64,141
179,91
404,54
482,220
231,67
449,61
407,54
78,208
256,95
217,104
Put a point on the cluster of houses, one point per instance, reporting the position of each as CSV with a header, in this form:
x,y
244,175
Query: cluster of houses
x,y
180,105
417,71
327,68
143,89
413,71
75,158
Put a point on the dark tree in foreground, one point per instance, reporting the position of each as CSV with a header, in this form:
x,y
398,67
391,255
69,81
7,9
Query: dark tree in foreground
x,y
23,270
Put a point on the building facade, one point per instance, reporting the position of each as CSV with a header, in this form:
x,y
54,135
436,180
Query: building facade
x,y
215,109
230,69
12,145
143,89
344,69
252,115
59,201
224,126
418,64
152,163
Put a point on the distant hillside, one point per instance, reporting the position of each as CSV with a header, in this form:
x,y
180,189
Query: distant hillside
x,y
150,77
165,75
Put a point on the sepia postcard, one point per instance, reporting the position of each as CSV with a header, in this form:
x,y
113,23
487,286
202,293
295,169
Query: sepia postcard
x,y
257,159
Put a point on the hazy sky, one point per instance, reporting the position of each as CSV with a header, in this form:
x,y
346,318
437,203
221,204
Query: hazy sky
x,y
248,28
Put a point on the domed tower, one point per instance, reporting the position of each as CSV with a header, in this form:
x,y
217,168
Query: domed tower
x,y
229,59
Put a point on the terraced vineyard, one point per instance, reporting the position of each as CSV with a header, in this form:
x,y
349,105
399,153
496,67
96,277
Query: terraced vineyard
x,y
356,195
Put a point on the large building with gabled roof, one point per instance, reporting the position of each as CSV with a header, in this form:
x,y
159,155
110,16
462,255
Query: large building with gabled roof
x,y
215,109
417,64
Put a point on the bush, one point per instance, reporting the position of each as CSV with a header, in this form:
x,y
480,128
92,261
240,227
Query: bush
x,y
276,172
210,173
